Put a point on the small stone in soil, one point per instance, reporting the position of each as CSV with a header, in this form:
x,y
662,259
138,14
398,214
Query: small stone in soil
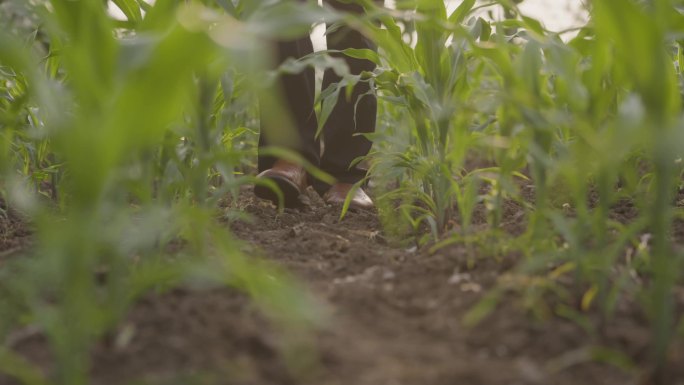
x,y
295,230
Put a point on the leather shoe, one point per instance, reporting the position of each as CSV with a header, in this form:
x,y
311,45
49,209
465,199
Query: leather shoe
x,y
338,194
289,177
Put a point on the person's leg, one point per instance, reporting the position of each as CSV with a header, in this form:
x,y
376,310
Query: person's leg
x,y
288,121
292,95
349,116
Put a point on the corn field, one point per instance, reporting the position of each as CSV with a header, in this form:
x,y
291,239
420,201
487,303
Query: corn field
x,y
128,148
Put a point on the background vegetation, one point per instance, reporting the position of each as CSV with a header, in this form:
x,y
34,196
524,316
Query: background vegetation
x,y
119,138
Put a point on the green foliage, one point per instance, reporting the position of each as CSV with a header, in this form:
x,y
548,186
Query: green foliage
x,y
591,121
115,136
114,144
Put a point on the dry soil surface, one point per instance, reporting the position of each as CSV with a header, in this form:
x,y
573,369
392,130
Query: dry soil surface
x,y
395,317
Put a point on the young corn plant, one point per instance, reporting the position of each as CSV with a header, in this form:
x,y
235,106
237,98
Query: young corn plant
x,y
598,119
592,122
424,76
130,114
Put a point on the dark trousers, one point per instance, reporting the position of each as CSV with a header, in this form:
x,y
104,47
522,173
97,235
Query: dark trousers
x,y
349,117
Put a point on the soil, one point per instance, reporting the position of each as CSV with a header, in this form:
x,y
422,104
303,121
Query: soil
x,y
395,317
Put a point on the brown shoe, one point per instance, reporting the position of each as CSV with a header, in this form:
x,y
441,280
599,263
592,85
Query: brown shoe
x,y
290,178
338,194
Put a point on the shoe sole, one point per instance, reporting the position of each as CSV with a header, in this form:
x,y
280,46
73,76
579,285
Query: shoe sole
x,y
290,192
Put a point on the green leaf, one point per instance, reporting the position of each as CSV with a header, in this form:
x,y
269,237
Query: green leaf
x,y
349,197
461,11
144,6
366,54
329,98
533,25
482,309
130,8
